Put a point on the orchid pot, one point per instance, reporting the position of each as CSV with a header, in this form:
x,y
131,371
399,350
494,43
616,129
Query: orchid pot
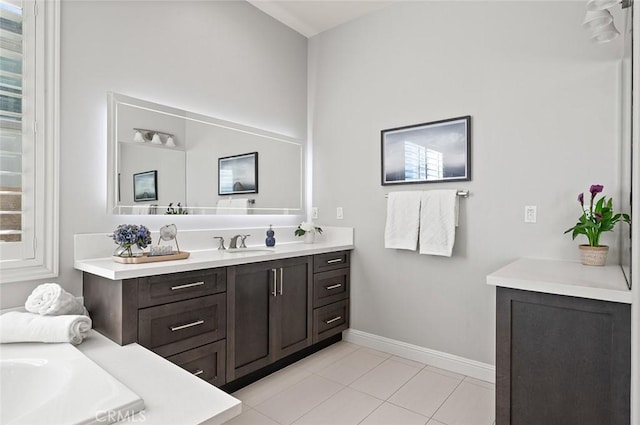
x,y
596,218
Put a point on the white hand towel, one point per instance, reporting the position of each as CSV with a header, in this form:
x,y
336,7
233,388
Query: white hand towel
x,y
438,219
240,206
51,300
403,220
17,326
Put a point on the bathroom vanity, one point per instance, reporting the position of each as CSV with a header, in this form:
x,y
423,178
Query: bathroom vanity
x,y
228,318
563,343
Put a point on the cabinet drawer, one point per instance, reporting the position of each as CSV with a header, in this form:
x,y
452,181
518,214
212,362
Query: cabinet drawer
x,y
156,290
330,320
172,328
330,261
331,286
206,362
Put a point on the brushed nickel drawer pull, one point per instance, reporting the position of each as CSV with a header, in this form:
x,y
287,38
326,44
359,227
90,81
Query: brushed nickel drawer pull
x,y
188,325
198,372
281,280
335,319
188,285
336,286
275,279
335,260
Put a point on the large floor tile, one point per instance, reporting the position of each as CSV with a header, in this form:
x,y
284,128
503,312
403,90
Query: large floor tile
x,y
425,392
295,401
390,414
251,417
469,404
385,379
326,357
347,407
352,366
431,422
264,389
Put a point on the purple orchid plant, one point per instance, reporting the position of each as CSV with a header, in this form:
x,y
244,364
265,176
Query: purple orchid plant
x,y
597,218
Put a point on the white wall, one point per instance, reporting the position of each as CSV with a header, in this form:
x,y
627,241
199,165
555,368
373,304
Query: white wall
x,y
222,59
544,107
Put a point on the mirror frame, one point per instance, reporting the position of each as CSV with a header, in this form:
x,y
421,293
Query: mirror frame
x,y
116,99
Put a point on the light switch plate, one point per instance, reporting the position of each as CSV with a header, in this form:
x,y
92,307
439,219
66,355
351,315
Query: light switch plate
x,y
314,213
339,213
530,214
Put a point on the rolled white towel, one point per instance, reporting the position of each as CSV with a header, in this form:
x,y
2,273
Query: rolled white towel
x,y
16,326
51,300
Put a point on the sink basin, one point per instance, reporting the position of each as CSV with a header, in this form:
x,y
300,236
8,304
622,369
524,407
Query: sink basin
x,y
55,383
251,249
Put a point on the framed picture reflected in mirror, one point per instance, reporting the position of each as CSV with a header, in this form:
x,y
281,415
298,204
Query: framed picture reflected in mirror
x,y
145,186
238,174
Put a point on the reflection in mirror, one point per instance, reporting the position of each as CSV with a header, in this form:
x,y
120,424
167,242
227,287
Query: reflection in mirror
x,y
184,150
626,142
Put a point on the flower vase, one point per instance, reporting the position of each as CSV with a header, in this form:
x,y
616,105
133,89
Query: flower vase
x,y
127,251
309,237
593,255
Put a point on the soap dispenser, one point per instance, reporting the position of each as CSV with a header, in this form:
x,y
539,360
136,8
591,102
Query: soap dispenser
x,y
270,241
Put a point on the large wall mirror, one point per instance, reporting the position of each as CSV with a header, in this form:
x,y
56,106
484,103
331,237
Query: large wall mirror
x,y
167,160
627,130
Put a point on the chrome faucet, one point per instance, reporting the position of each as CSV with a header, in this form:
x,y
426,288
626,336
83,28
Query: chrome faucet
x,y
221,239
234,241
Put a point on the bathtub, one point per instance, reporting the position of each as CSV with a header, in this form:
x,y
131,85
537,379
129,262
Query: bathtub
x,y
57,384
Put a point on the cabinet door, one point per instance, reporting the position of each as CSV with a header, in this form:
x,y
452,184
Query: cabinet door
x,y
250,314
561,360
294,317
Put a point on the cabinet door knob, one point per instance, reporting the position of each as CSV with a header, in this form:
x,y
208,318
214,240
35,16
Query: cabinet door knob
x,y
188,325
336,286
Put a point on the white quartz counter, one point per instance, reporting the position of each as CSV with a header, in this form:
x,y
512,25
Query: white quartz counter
x,y
559,277
171,394
335,239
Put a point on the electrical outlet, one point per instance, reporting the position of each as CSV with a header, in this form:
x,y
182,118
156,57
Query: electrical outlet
x,y
339,213
314,213
530,214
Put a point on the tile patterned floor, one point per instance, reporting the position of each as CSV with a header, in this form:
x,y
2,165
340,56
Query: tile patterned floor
x,y
348,384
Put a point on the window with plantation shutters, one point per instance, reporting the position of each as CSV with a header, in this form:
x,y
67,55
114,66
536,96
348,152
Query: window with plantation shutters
x,y
11,61
28,139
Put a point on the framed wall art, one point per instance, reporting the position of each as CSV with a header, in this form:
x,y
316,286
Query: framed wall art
x,y
438,151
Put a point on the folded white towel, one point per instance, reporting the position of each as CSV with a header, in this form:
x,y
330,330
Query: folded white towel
x,y
438,220
16,326
51,300
403,220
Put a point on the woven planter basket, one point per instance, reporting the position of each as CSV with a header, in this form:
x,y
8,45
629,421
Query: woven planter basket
x,y
593,255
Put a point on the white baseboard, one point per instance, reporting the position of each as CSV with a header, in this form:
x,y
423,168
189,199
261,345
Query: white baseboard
x,y
472,368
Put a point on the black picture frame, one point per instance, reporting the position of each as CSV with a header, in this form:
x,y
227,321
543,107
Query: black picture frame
x,y
432,152
145,186
238,174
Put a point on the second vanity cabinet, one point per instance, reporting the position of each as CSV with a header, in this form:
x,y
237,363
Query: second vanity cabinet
x,y
225,323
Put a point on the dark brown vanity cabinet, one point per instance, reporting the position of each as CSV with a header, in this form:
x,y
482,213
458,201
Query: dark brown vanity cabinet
x,y
330,294
225,323
268,313
561,360
180,316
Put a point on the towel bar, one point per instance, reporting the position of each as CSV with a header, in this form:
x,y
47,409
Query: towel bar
x,y
460,193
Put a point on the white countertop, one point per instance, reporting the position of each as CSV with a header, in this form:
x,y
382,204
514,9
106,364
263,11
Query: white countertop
x,y
171,394
559,277
205,259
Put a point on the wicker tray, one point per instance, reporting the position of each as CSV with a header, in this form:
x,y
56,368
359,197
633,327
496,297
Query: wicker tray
x,y
146,259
